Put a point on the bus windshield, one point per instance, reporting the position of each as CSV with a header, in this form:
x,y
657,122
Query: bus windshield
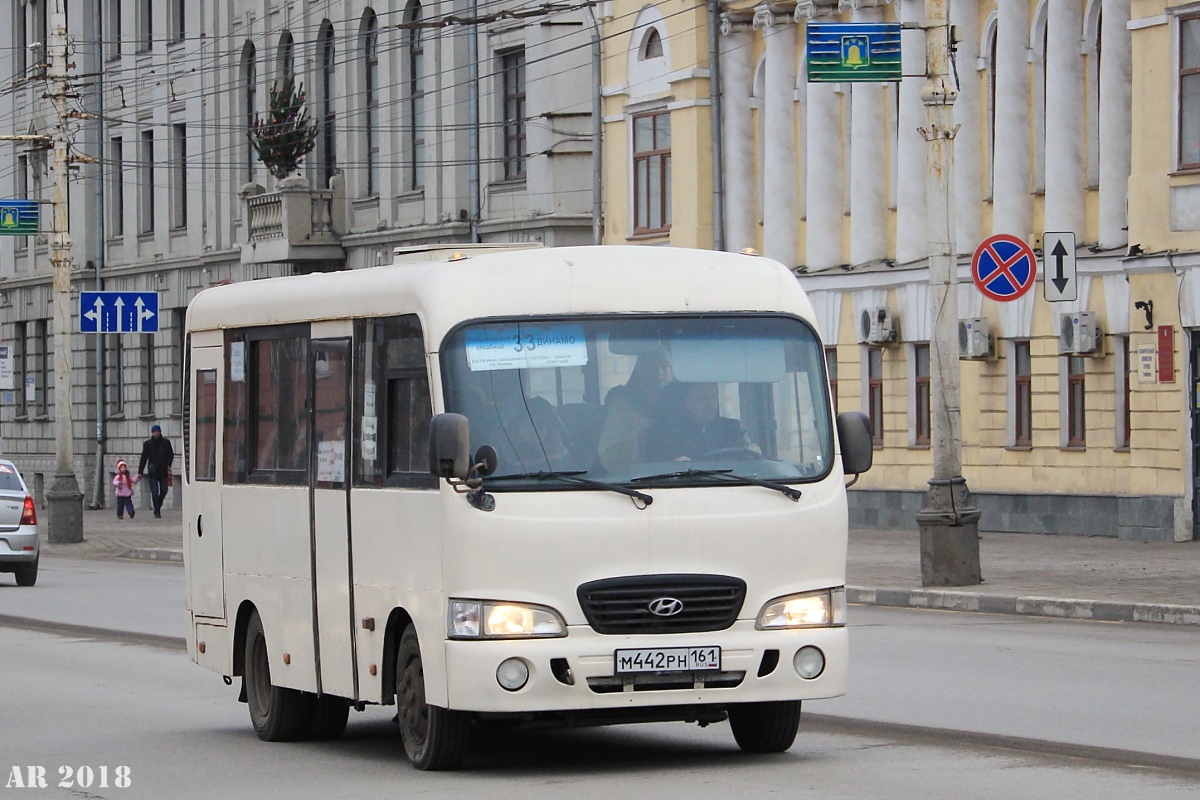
x,y
649,400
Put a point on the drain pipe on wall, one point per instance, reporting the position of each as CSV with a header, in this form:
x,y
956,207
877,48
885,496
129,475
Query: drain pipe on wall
x,y
473,180
100,490
597,128
714,91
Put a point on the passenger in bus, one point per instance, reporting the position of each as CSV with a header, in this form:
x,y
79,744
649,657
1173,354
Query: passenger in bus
x,y
630,409
524,429
688,425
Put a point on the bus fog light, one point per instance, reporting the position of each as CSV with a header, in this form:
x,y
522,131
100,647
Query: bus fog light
x,y
512,674
809,662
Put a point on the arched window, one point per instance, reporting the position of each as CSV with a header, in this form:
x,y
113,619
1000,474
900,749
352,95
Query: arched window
x,y
652,46
369,43
415,46
285,58
1039,39
1093,25
991,111
249,103
328,119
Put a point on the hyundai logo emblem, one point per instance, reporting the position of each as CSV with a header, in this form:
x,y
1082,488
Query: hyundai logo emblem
x,y
665,606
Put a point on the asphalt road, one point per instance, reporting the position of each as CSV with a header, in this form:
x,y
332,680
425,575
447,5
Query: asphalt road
x,y
941,704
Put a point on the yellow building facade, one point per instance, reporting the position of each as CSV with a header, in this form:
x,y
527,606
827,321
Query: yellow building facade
x,y
1076,120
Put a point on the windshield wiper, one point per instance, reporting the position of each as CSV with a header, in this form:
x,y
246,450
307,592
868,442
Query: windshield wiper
x,y
787,491
573,476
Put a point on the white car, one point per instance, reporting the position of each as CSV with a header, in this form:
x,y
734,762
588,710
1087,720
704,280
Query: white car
x,y
19,543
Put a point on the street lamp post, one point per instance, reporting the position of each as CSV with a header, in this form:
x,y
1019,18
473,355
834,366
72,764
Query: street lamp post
x,y
948,521
64,500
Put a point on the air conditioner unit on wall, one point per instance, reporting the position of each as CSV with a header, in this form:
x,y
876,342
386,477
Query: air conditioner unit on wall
x,y
1079,334
877,325
974,338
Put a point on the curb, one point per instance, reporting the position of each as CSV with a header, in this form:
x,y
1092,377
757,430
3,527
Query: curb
x,y
153,554
1061,608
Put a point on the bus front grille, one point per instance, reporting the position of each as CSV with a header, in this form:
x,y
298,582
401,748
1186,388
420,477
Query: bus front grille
x,y
684,603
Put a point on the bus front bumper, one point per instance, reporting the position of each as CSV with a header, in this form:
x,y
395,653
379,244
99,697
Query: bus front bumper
x,y
577,672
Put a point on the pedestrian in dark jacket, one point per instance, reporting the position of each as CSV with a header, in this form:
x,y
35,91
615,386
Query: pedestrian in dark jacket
x,y
157,457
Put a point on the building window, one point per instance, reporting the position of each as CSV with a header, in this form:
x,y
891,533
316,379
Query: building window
x,y
249,103
416,99
512,71
148,372
116,193
146,194
1189,91
370,51
146,25
1022,395
41,32
1076,421
875,393
921,416
112,25
831,368
22,177
20,40
42,332
285,57
178,20
328,117
652,172
991,114
652,46
116,362
180,178
21,365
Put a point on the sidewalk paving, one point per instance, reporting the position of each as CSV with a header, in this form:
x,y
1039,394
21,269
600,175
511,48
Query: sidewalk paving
x,y
1070,576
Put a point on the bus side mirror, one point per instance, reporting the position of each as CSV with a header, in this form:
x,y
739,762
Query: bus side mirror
x,y
450,446
854,433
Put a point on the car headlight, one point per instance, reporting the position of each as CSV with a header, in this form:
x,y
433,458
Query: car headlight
x,y
823,609
488,619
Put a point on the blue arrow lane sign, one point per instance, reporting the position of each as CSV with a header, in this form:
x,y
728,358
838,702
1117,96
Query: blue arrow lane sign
x,y
118,312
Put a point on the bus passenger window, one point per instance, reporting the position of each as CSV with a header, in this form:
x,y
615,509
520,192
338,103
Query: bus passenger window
x,y
392,404
206,425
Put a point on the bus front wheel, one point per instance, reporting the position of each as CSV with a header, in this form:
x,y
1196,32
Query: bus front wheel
x,y
434,738
765,727
278,714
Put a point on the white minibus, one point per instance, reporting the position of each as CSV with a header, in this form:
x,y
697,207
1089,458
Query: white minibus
x,y
518,487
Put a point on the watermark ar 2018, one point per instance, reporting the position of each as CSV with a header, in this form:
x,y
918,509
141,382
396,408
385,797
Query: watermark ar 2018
x,y
85,777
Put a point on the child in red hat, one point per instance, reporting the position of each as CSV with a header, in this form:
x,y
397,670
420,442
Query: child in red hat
x,y
124,483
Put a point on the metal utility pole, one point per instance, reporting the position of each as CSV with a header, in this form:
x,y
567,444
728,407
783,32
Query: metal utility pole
x,y
64,500
948,522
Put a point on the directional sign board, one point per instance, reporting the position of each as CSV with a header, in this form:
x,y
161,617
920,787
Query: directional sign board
x,y
1003,267
1058,253
864,52
118,312
18,217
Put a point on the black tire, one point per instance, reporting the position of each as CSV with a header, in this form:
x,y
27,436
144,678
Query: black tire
x,y
26,574
765,727
328,718
434,738
278,714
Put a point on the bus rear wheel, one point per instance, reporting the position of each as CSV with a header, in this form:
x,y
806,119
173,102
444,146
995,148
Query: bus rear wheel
x,y
278,714
434,738
765,727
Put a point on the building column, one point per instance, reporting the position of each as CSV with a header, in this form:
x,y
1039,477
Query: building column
x,y
912,235
1115,121
822,166
780,212
1011,202
968,171
868,177
1064,119
737,133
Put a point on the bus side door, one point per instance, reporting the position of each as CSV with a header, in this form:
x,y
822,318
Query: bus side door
x,y
202,504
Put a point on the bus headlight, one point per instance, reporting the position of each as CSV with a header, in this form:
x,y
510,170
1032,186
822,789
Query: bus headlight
x,y
488,619
823,609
